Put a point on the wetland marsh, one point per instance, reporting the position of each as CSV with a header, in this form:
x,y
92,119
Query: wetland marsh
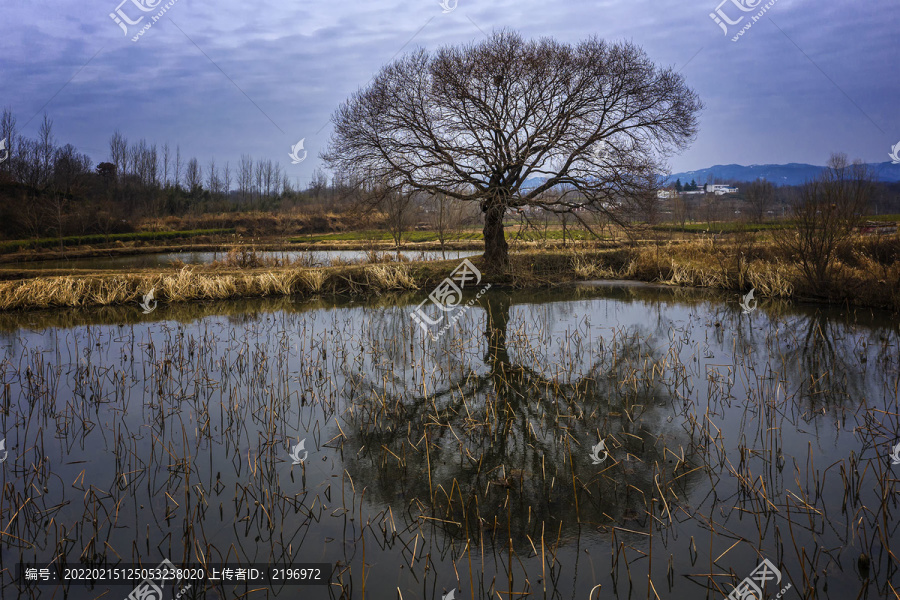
x,y
463,463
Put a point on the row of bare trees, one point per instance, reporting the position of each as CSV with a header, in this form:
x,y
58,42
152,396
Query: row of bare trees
x,y
150,167
50,173
51,188
445,216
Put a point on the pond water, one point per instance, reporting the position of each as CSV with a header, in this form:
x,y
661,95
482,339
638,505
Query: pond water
x,y
468,463
313,258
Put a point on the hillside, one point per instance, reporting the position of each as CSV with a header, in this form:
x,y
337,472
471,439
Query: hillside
x,y
789,174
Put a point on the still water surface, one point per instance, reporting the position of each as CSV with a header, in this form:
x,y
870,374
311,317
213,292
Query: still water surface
x,y
167,259
467,463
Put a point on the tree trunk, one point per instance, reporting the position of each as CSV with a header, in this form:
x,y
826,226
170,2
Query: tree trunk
x,y
496,250
496,306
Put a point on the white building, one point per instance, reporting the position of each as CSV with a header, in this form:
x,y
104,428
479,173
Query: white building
x,y
719,189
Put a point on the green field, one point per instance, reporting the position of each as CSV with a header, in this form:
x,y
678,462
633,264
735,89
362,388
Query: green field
x,y
432,236
721,227
380,236
741,227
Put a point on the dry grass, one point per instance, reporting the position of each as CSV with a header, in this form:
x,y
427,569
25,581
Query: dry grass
x,y
867,274
588,267
772,279
313,279
190,284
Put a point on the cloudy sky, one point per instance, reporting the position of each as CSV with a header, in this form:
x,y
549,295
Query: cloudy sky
x,y
232,77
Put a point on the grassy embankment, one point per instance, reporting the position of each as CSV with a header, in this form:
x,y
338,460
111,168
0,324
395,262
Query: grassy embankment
x,y
867,273
207,232
9,246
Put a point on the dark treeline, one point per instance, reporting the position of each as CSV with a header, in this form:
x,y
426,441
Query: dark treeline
x,y
48,189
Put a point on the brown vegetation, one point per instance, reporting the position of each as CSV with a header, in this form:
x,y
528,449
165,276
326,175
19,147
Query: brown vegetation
x,y
267,224
192,284
866,272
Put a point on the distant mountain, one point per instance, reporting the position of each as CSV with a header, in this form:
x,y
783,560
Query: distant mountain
x,y
533,182
789,174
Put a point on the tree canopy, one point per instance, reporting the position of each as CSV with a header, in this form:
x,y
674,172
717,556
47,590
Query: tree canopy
x,y
509,123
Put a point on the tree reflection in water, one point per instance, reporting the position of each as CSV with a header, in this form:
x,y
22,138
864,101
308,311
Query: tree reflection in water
x,y
497,455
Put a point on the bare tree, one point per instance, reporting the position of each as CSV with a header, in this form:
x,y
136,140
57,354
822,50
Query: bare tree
x,y
132,161
679,208
46,149
268,176
153,166
26,163
758,197
828,209
27,171
118,151
276,179
446,218
400,210
226,179
318,185
212,178
710,208
166,163
193,176
245,178
476,122
68,166
260,177
141,159
177,172
8,137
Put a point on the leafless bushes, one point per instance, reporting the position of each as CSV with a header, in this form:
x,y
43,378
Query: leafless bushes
x,y
824,217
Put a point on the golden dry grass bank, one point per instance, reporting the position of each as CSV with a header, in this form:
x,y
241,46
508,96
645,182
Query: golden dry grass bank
x,y
867,273
191,284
